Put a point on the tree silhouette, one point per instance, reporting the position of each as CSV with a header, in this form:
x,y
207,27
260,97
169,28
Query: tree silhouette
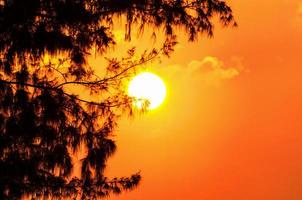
x,y
43,125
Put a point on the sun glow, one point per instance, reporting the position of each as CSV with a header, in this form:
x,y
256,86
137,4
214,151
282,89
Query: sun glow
x,y
147,86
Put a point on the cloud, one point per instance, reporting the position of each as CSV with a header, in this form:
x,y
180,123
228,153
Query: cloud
x,y
210,71
213,71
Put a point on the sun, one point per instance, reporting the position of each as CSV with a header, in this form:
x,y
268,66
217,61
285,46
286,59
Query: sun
x,y
147,86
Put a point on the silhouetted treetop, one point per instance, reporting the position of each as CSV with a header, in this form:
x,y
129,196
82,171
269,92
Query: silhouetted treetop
x,y
44,45
75,26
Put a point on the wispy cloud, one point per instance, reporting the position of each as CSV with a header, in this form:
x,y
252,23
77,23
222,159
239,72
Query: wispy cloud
x,y
212,70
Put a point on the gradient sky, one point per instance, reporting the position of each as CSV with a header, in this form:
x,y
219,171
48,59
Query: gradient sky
x,y
231,127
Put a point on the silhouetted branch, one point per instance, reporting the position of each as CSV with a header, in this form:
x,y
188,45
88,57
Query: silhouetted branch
x,y
131,66
64,93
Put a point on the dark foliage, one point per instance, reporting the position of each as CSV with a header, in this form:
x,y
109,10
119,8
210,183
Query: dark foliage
x,y
43,125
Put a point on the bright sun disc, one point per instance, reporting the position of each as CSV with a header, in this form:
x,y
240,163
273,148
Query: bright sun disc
x,y
147,86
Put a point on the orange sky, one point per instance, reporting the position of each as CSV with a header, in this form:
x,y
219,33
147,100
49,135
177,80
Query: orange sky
x,y
231,126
